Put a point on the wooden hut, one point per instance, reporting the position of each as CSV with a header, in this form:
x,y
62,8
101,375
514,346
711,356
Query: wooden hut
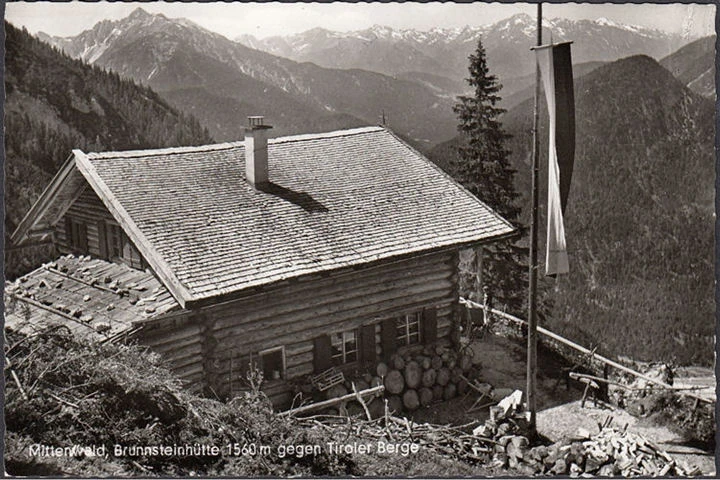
x,y
297,253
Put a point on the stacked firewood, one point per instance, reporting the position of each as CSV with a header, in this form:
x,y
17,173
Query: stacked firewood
x,y
437,372
611,452
608,453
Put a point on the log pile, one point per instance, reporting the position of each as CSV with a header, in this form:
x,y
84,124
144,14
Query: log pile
x,y
435,373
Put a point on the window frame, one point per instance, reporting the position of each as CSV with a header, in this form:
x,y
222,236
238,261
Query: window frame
x,y
342,359
404,337
114,242
77,235
268,351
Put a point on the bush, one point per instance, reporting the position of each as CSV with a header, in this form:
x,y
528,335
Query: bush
x,y
90,394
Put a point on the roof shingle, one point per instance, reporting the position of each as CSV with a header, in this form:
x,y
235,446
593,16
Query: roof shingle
x,y
335,200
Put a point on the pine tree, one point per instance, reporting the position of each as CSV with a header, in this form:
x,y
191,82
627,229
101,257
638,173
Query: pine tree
x,y
484,169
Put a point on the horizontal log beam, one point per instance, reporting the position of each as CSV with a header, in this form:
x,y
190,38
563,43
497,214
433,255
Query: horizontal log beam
x,y
585,351
332,401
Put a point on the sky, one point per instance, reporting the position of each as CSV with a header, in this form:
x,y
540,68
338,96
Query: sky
x,y
232,19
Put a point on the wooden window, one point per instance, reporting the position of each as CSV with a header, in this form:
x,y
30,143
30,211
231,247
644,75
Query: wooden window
x,y
388,333
367,343
408,329
344,347
322,353
429,325
272,363
120,247
115,236
76,232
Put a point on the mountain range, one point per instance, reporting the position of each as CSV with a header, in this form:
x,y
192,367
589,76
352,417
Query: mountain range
x,y
443,52
222,82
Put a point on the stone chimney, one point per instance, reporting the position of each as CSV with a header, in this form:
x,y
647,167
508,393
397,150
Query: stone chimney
x,y
256,151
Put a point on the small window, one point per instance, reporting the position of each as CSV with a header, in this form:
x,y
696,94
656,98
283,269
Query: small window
x,y
272,363
344,347
408,329
77,235
115,241
120,247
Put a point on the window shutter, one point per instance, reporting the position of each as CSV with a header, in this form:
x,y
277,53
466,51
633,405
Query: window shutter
x,y
68,232
388,336
102,239
367,343
83,238
322,353
429,325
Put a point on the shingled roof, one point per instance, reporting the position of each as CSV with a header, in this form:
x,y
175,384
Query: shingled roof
x,y
335,200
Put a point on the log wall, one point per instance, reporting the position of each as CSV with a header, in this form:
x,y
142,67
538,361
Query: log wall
x,y
215,343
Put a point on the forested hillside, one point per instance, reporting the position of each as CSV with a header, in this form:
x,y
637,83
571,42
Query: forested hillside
x,y
694,65
640,215
54,104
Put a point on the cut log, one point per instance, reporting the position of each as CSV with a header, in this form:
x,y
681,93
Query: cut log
x,y
443,377
395,404
411,400
394,382
354,409
455,374
426,363
436,362
397,362
381,369
449,391
428,378
426,396
413,374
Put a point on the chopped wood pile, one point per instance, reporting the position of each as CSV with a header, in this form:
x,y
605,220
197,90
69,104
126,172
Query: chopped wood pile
x,y
611,452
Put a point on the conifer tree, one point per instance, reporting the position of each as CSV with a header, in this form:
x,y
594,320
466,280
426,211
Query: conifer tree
x,y
484,169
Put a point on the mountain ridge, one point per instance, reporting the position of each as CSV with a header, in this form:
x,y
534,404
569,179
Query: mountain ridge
x,y
506,43
414,110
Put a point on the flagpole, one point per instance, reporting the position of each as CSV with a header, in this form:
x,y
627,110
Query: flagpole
x,y
532,300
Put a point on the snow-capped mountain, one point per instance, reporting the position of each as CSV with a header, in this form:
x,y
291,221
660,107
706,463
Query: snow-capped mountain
x,y
221,81
444,51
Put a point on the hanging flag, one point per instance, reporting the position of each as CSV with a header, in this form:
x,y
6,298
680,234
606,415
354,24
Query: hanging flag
x,y
556,70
